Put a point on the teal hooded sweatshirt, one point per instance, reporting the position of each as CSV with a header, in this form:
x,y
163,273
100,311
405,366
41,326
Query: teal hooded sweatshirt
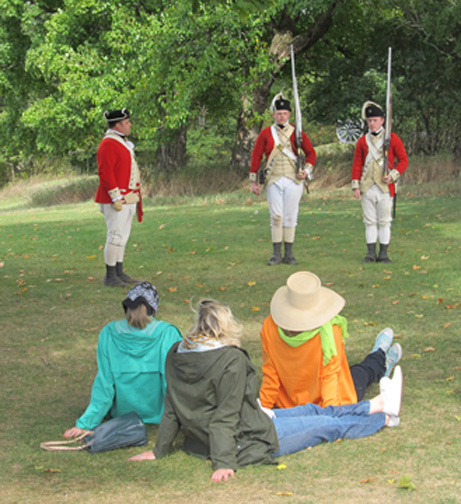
x,y
131,372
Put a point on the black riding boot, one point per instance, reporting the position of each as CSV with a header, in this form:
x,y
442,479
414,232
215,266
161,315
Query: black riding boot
x,y
276,256
111,279
289,259
383,257
371,255
123,276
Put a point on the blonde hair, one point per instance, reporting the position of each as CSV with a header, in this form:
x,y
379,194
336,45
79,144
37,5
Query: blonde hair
x,y
215,320
137,317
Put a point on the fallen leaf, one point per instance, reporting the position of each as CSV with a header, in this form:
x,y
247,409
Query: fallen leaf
x,y
424,258
429,349
285,494
397,301
161,226
199,285
405,483
255,308
375,286
446,325
367,480
91,257
416,356
251,283
52,470
450,378
316,238
172,289
329,284
281,467
415,267
370,323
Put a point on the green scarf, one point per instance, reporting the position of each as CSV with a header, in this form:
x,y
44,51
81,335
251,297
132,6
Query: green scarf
x,y
326,337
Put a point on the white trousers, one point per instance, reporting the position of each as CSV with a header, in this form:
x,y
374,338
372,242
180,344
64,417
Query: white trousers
x,y
283,197
377,207
118,231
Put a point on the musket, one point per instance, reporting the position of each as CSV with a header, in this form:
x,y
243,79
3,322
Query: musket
x,y
388,129
300,156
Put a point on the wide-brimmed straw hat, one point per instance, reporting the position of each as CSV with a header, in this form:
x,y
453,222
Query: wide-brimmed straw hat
x,y
303,304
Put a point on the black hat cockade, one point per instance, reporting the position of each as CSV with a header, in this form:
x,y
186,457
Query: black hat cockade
x,y
371,109
143,293
114,116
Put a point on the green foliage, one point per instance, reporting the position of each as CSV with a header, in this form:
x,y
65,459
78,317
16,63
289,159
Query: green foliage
x,y
63,62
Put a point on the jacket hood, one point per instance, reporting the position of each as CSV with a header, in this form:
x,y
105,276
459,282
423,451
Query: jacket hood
x,y
192,366
132,341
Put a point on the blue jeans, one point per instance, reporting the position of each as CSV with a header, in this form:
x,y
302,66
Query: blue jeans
x,y
303,426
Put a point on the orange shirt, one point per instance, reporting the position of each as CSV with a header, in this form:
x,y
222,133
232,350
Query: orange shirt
x,y
293,376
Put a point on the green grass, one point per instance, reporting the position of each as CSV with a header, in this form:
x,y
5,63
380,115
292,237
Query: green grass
x,y
53,305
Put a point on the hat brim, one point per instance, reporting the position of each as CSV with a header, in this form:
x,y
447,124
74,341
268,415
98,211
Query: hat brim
x,y
292,318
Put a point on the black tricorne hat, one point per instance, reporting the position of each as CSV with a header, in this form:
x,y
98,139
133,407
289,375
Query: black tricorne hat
x,y
372,109
282,104
113,116
142,293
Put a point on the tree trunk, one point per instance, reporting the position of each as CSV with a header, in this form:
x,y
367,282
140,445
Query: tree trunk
x,y
279,52
172,153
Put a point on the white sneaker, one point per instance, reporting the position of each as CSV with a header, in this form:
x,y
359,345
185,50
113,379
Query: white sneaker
x,y
394,421
391,390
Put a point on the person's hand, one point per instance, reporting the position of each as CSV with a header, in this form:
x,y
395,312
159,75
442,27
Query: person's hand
x,y
302,174
255,188
117,205
222,475
357,193
147,455
387,179
74,432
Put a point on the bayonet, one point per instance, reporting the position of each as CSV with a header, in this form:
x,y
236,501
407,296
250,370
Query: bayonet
x,y
388,129
300,156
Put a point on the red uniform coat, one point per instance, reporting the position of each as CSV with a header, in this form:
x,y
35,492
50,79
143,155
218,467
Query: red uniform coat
x,y
265,145
114,169
396,151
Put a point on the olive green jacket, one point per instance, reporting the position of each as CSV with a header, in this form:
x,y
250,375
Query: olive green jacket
x,y
211,396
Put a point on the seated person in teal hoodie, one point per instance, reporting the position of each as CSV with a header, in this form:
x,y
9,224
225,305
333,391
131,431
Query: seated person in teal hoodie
x,y
131,363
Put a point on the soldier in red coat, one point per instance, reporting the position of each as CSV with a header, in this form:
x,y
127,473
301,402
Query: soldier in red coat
x,y
118,194
372,185
283,183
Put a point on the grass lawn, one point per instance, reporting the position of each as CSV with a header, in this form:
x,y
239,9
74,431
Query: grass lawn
x,y
53,305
